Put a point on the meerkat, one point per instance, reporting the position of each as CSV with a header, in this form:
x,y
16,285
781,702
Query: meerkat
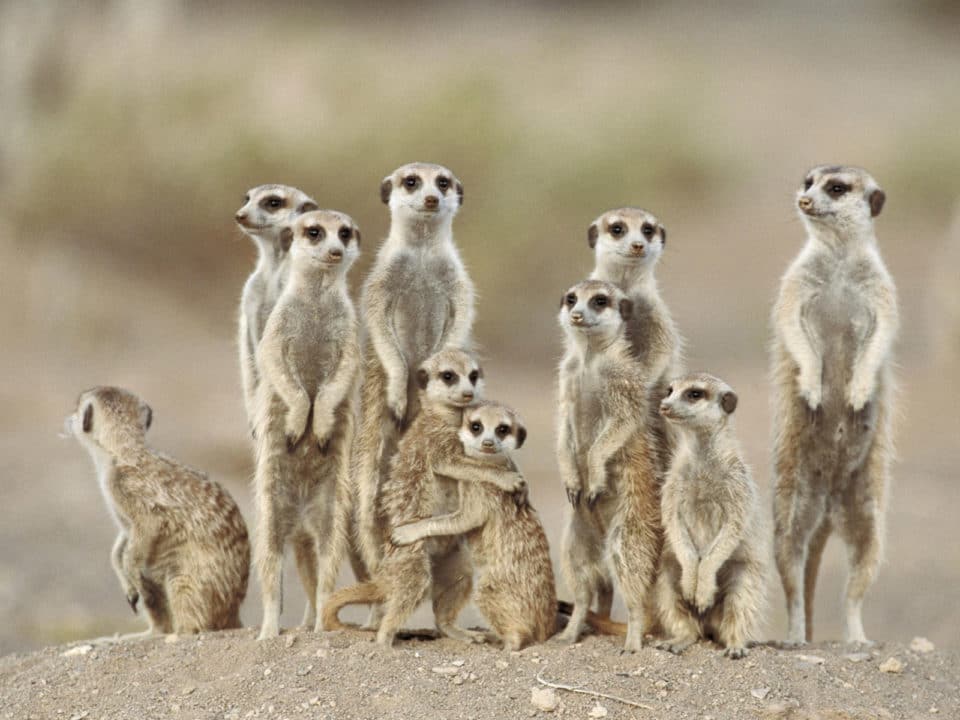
x,y
835,321
266,210
417,300
309,359
182,547
515,588
627,244
606,461
712,571
420,485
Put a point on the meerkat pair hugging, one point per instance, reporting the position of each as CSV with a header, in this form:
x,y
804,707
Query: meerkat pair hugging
x,y
835,321
182,550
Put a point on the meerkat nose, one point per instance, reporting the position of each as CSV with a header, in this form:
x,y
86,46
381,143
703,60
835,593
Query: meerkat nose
x,y
468,394
241,216
576,316
431,201
487,443
664,409
336,254
637,246
805,202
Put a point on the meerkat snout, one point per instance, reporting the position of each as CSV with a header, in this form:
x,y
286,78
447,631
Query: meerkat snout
x,y
805,203
638,248
431,202
576,317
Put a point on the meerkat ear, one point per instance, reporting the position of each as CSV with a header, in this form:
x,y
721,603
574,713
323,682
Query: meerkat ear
x,y
460,193
521,436
423,377
286,238
146,415
728,401
386,187
593,232
88,418
626,308
877,198
663,236
307,206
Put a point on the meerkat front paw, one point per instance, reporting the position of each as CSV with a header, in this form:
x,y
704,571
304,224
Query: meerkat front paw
x,y
706,594
859,393
574,493
688,587
133,597
736,652
296,426
404,535
323,422
811,390
397,405
593,497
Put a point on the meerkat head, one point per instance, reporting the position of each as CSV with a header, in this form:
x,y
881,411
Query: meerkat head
x,y
422,192
322,241
839,197
268,208
109,418
490,430
594,308
699,401
627,236
451,378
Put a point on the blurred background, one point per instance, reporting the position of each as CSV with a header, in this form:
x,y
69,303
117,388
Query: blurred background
x,y
130,131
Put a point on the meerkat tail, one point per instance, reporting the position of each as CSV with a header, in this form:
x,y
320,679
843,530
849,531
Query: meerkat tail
x,y
601,625
365,593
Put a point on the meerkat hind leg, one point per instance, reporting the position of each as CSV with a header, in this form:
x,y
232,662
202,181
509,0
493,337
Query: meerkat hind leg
x,y
864,546
814,554
452,586
270,542
306,556
604,599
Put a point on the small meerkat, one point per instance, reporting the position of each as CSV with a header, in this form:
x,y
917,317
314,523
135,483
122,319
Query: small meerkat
x,y
606,461
183,547
627,244
420,485
515,588
417,300
309,359
712,571
265,211
835,321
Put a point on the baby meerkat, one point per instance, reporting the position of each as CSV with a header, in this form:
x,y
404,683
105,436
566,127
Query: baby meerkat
x,y
515,587
183,547
420,485
835,321
627,244
417,300
309,359
712,572
606,461
265,211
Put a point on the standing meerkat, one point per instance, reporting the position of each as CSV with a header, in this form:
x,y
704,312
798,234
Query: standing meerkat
x,y
835,321
606,462
183,547
265,211
627,244
309,359
421,483
515,588
712,571
416,300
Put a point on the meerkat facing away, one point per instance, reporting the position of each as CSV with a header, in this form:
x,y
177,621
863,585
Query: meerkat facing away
x,y
834,324
265,211
606,461
712,571
183,547
421,484
627,244
417,300
309,360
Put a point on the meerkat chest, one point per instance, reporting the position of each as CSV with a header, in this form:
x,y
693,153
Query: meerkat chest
x,y
645,331
423,306
315,333
588,409
840,316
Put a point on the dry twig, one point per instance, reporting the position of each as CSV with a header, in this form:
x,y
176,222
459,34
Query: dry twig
x,y
592,693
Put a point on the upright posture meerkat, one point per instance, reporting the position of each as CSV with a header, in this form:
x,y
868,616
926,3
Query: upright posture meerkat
x,y
606,461
423,482
309,359
711,580
416,300
834,324
515,587
183,546
627,243
265,210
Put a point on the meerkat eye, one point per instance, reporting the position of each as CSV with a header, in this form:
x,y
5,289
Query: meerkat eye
x,y
600,301
344,233
476,428
838,189
448,376
314,232
808,183
246,199
443,182
647,229
571,299
274,202
474,376
411,182
670,390
694,394
617,229
503,430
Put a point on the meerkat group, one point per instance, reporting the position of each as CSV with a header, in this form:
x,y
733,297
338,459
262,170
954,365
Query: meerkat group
x,y
373,439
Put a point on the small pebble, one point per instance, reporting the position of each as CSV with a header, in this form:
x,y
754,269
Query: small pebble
x,y
171,638
544,699
891,665
446,670
811,659
598,711
858,657
760,693
78,650
291,639
457,663
502,664
921,645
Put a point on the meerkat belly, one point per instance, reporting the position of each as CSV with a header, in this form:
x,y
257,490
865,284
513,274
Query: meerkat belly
x,y
841,321
445,500
703,517
586,418
422,310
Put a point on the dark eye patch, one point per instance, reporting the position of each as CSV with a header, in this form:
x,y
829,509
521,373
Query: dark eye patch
x,y
618,229
695,394
503,430
648,229
808,183
571,299
476,427
474,376
344,233
443,183
273,202
449,377
600,301
316,233
836,188
411,182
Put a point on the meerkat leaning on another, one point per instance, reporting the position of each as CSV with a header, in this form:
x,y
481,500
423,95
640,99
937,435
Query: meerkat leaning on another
x,y
712,572
835,321
417,300
515,588
607,462
183,547
422,484
266,210
309,359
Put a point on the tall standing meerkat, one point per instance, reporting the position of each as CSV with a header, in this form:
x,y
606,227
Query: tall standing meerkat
x,y
183,547
423,481
712,571
309,359
835,321
265,211
515,588
606,461
627,244
417,300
